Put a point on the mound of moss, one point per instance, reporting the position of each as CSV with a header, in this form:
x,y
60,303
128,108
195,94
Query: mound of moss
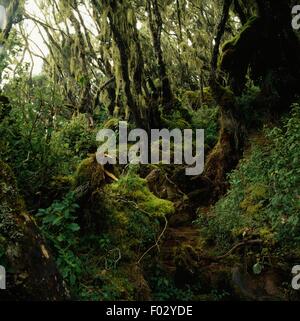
x,y
136,219
136,215
120,222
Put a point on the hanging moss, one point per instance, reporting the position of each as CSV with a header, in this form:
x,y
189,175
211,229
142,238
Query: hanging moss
x,y
196,99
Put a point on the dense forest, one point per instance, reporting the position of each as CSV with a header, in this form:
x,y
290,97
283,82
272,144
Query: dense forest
x,y
74,229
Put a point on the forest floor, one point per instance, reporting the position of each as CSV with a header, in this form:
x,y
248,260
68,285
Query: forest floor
x,y
188,258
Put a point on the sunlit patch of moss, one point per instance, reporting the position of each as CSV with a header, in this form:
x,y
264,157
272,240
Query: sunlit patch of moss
x,y
158,206
137,191
253,201
267,235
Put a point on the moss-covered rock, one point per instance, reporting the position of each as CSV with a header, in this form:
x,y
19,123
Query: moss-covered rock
x,y
32,274
88,184
91,173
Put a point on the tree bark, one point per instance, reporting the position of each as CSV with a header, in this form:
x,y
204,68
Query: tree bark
x,y
272,56
227,152
155,22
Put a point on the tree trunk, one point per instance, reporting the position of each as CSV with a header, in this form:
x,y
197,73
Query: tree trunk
x,y
272,55
156,23
227,152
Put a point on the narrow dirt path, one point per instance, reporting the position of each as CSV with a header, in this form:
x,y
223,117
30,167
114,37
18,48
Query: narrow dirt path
x,y
176,240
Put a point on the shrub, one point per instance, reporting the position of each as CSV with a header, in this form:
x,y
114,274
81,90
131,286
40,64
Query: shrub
x,y
264,197
72,142
59,226
207,118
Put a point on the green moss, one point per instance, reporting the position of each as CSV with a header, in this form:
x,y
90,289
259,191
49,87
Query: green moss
x,y
238,40
253,201
196,99
134,215
90,173
137,191
131,223
192,99
60,186
112,123
263,200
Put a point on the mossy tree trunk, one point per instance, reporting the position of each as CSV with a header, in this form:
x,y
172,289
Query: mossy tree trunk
x,y
268,48
129,60
156,24
227,152
86,100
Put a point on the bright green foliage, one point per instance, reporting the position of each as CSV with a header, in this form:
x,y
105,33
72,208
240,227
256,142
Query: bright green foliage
x,y
58,225
135,219
42,140
73,142
135,214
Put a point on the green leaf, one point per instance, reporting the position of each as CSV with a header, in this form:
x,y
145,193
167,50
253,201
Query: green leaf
x,y
257,268
74,227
